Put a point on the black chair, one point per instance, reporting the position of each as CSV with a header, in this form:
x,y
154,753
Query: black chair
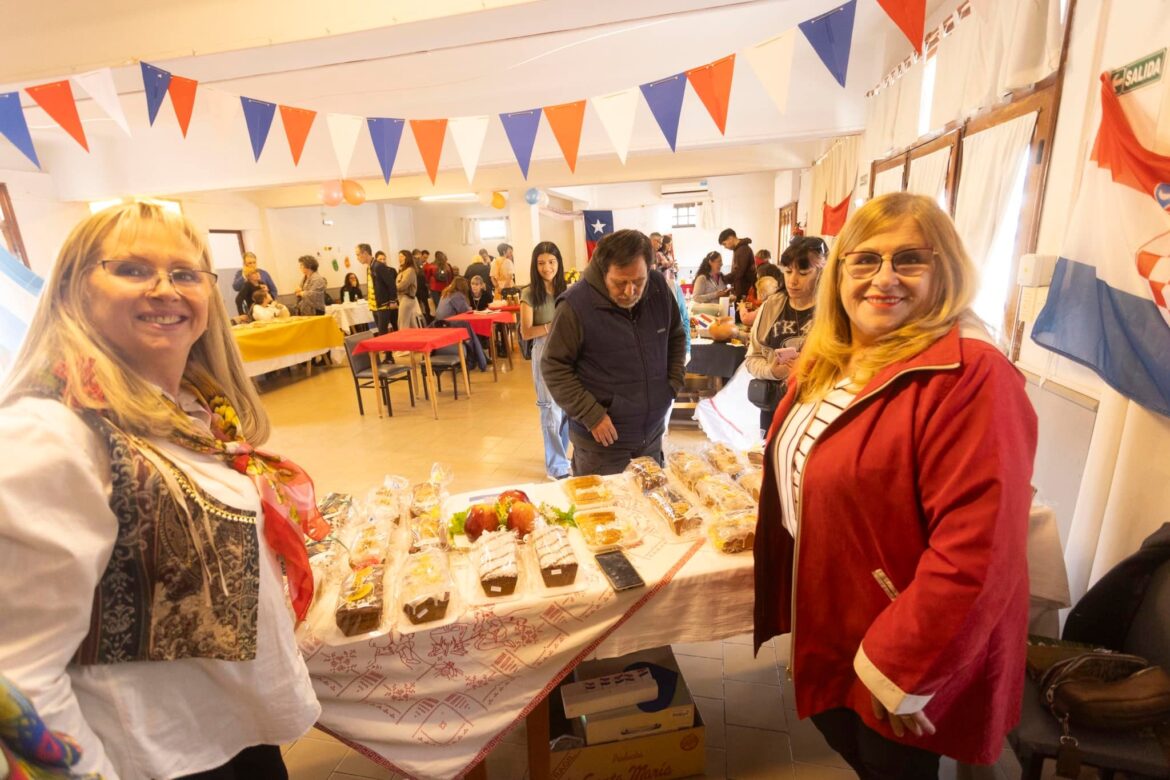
x,y
442,360
363,373
1143,630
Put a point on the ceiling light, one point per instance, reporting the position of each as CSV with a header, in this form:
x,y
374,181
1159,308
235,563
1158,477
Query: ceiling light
x,y
457,197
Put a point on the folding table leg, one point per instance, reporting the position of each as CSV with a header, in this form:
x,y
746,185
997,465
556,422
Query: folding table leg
x,y
494,348
377,391
463,363
538,755
430,380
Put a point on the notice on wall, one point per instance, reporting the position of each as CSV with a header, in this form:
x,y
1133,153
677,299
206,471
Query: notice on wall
x,y
1138,74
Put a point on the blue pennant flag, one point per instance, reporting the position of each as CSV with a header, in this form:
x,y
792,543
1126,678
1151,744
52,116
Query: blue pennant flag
x,y
156,81
259,115
385,133
665,99
521,128
831,36
14,127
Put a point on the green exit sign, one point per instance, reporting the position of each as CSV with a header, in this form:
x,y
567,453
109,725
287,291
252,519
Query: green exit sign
x,y
1145,71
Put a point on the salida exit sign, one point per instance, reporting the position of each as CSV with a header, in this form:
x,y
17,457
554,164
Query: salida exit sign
x,y
1147,70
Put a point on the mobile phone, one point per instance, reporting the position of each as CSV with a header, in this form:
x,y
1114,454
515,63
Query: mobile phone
x,y
619,571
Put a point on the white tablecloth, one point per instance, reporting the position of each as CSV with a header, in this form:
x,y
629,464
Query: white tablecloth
x,y
347,315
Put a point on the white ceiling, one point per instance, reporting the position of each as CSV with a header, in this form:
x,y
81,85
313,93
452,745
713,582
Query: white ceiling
x,y
511,57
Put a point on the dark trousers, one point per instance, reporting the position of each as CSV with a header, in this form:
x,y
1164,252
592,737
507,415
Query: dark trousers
x,y
383,321
260,762
869,753
589,457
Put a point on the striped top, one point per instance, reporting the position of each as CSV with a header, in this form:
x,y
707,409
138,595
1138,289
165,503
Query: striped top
x,y
791,444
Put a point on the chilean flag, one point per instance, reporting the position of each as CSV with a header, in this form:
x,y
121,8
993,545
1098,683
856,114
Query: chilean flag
x,y
597,224
19,290
1107,306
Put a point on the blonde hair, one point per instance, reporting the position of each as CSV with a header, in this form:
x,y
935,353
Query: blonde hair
x,y
765,286
62,337
828,350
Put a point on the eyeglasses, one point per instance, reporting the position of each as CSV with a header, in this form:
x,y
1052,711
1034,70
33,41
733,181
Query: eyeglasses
x,y
145,275
905,262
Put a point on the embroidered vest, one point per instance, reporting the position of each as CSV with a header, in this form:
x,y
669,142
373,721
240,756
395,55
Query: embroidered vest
x,y
184,579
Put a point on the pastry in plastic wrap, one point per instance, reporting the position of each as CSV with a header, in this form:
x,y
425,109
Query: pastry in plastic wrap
x,y
751,481
723,459
603,529
646,473
385,505
335,509
359,607
755,456
369,547
676,509
589,490
688,467
428,530
719,492
734,532
423,498
426,586
554,555
497,564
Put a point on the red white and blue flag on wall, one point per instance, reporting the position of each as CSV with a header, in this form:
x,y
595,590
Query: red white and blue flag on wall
x,y
597,224
1107,307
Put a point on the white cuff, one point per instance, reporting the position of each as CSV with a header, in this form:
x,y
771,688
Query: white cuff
x,y
893,698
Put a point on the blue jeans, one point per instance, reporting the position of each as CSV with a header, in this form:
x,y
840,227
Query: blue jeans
x,y
554,425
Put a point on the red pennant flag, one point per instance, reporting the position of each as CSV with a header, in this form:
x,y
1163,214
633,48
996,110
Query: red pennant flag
x,y
910,16
712,83
182,93
57,101
565,121
429,135
297,122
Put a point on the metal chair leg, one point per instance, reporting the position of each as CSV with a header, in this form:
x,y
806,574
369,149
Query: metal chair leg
x,y
357,388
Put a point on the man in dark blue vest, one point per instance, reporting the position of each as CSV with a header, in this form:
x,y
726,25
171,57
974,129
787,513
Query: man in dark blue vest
x,y
615,356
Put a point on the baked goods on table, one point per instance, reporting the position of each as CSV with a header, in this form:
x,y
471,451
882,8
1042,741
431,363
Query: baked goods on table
x,y
751,480
647,474
369,547
589,490
723,459
734,532
603,529
426,586
676,509
720,493
554,555
688,467
495,556
360,604
427,530
423,498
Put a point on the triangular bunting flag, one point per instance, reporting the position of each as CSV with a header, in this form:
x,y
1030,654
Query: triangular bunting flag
x,y
297,122
565,121
155,81
386,135
910,16
14,127
429,135
616,112
258,115
521,127
468,133
665,99
344,131
712,83
831,36
182,93
772,62
57,101
99,85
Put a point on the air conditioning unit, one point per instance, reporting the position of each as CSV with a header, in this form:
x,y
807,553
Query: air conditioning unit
x,y
676,189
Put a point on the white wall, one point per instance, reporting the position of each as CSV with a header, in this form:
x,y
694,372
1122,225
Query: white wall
x,y
438,226
300,231
44,221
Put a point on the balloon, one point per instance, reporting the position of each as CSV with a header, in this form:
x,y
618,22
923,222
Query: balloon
x,y
331,193
532,196
498,200
486,198
355,194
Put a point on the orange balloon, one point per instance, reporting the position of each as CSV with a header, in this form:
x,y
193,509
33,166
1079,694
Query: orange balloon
x,y
331,193
355,194
498,200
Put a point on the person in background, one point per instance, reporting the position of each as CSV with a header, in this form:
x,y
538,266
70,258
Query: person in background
x,y
748,309
351,291
480,266
503,270
265,308
537,306
743,263
485,255
614,360
455,300
479,296
656,248
763,257
782,322
409,313
709,286
442,272
381,288
250,264
252,283
311,291
906,503
147,602
422,258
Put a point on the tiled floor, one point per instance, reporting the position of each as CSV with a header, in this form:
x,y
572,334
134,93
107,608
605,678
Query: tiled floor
x,y
492,439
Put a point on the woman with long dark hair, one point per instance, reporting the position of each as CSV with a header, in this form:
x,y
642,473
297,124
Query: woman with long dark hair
x,y
709,285
409,311
537,303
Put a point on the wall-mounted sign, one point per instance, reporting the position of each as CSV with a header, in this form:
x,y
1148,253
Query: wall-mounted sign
x,y
1137,74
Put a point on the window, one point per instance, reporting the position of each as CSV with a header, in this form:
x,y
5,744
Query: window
x,y
9,232
685,215
493,229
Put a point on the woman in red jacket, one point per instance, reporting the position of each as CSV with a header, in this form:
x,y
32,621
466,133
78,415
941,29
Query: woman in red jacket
x,y
893,520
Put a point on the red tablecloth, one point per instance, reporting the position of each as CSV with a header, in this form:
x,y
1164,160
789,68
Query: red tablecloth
x,y
412,340
512,307
481,322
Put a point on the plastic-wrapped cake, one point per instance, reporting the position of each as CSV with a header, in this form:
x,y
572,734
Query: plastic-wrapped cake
x,y
675,509
359,607
724,460
589,490
554,554
719,492
734,532
368,547
688,467
646,473
426,586
751,481
496,561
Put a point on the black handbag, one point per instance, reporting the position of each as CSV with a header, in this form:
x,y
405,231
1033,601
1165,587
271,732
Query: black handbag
x,y
766,393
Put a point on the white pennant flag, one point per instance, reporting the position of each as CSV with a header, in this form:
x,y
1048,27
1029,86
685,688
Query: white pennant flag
x,y
468,133
99,85
772,62
616,112
344,130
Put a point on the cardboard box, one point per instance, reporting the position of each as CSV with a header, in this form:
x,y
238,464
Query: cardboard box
x,y
632,721
608,692
666,756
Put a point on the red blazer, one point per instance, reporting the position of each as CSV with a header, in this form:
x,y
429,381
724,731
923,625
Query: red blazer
x,y
927,478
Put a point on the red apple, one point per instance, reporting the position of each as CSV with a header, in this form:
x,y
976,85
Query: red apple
x,y
521,518
511,496
480,518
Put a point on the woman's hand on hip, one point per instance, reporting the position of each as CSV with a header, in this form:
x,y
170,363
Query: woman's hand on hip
x,y
916,723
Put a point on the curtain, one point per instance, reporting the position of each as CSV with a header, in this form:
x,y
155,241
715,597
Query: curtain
x,y
833,178
889,180
928,175
881,108
469,229
989,171
905,130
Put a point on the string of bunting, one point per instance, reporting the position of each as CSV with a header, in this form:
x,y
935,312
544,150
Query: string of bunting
x,y
830,36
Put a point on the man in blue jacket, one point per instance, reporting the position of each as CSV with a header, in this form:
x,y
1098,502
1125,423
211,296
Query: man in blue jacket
x,y
249,267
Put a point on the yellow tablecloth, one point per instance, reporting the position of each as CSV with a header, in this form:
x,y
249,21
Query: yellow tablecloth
x,y
280,338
